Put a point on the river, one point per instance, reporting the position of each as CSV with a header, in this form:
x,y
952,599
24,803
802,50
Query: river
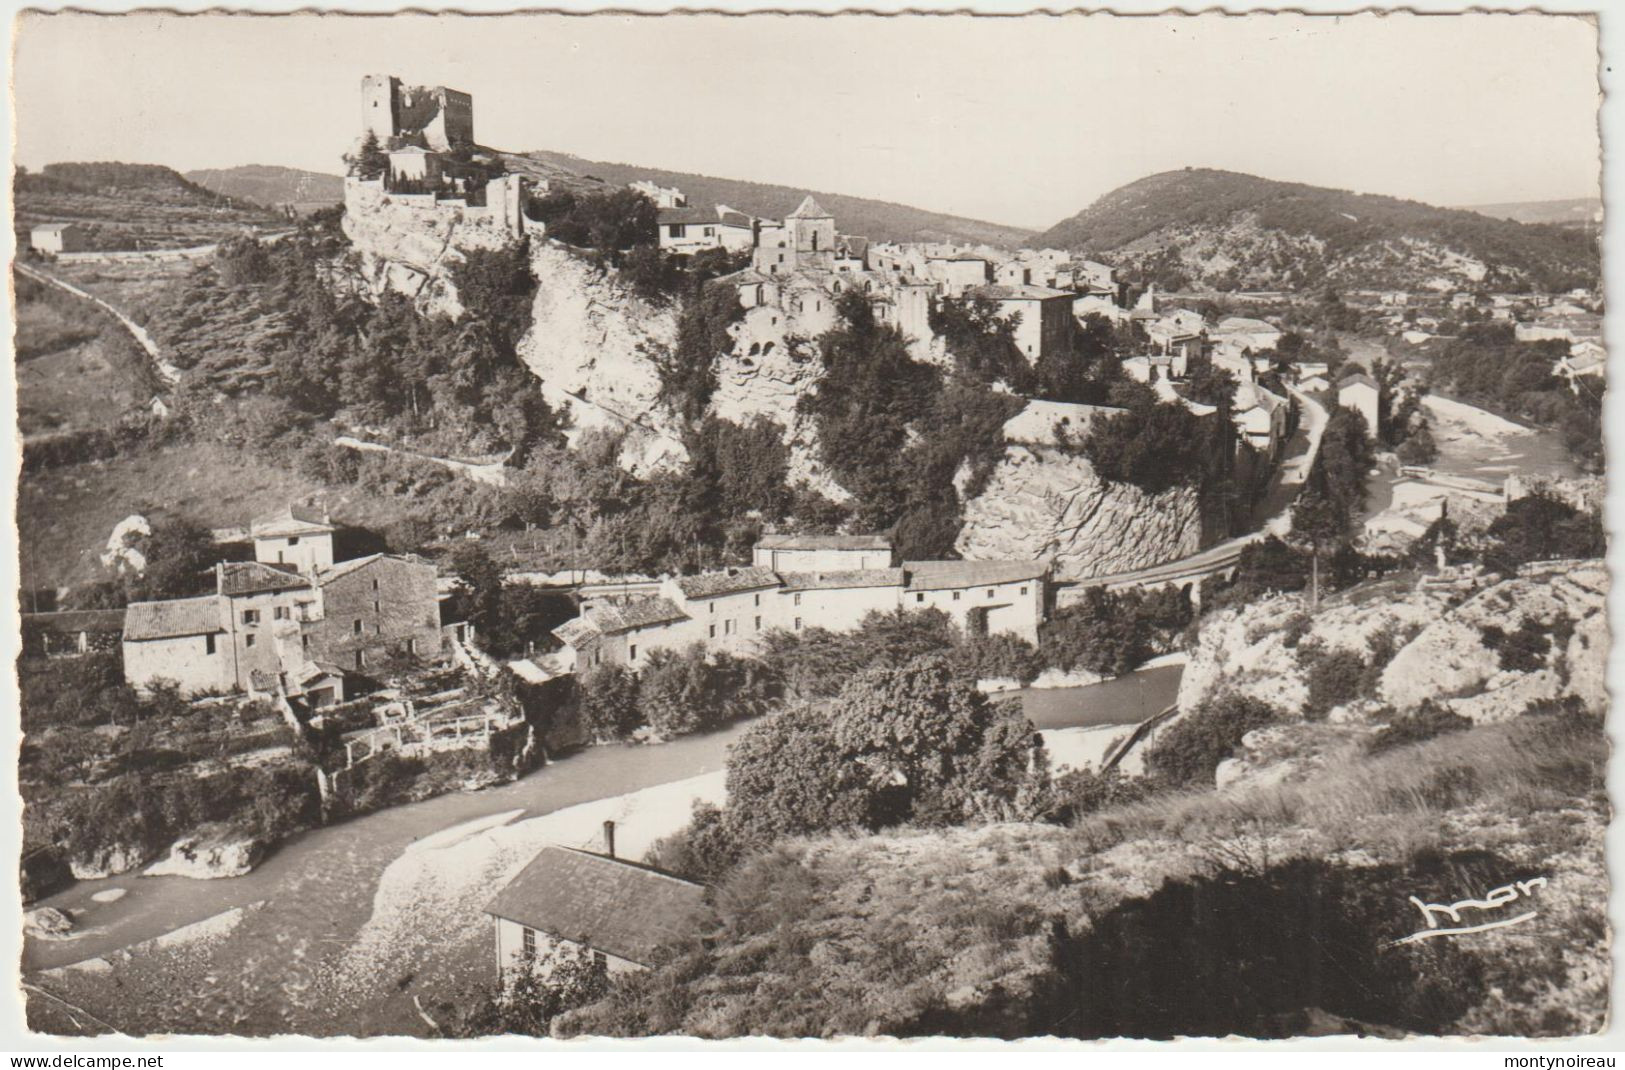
x,y
300,912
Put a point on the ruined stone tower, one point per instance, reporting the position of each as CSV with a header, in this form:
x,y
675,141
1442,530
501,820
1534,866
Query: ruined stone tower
x,y
439,118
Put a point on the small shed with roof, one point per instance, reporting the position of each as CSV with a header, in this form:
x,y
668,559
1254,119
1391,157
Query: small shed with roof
x,y
620,911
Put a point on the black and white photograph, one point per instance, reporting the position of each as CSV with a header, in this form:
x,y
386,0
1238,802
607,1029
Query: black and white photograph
x,y
781,526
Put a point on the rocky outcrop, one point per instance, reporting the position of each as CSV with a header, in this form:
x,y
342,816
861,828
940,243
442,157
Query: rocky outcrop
x,y
1441,654
595,347
47,923
770,384
212,851
409,243
109,861
1450,664
1045,504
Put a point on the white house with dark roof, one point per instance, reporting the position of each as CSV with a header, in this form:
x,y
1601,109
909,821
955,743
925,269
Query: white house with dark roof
x,y
621,911
689,230
56,238
982,597
733,607
297,535
1360,393
180,639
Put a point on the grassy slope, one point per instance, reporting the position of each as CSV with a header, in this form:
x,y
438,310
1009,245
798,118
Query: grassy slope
x,y
64,515
120,203
880,220
953,930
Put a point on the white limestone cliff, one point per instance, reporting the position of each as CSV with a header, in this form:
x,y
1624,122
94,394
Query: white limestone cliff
x,y
1045,504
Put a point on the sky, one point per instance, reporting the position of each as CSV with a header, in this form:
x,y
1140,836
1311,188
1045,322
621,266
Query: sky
x,y
1022,121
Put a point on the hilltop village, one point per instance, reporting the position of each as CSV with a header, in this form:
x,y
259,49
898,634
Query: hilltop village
x,y
864,578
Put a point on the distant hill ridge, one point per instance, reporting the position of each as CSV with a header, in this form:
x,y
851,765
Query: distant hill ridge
x,y
1227,230
130,205
271,185
879,220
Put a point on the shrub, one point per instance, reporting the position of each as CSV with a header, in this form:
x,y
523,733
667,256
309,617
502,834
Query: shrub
x,y
1083,791
1427,721
1187,752
1524,649
1335,677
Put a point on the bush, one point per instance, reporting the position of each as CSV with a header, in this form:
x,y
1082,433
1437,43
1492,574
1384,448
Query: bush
x,y
1186,753
1083,791
1335,677
1524,649
1427,721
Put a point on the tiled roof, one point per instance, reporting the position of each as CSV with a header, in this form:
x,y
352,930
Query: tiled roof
x,y
173,618
74,621
730,581
250,577
612,619
577,632
810,209
344,568
1357,379
684,215
1246,325
619,908
846,578
292,520
943,575
1017,292
824,542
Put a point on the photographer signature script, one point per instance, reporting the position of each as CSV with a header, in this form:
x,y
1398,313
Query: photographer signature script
x,y
1495,900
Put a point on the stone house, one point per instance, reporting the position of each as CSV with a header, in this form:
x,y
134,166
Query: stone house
x,y
822,553
620,911
53,238
732,608
276,622
1359,392
297,536
982,597
375,607
682,229
1042,316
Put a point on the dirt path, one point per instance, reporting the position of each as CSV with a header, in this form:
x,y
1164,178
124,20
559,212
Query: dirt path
x,y
166,371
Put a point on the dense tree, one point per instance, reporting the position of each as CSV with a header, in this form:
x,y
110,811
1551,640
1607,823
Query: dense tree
x,y
181,554
609,702
1540,527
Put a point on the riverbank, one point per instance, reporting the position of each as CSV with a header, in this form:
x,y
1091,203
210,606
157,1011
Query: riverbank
x,y
336,932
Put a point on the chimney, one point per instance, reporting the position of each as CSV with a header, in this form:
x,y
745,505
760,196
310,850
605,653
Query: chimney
x,y
609,838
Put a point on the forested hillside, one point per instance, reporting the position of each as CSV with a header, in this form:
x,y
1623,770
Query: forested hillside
x,y
1233,231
